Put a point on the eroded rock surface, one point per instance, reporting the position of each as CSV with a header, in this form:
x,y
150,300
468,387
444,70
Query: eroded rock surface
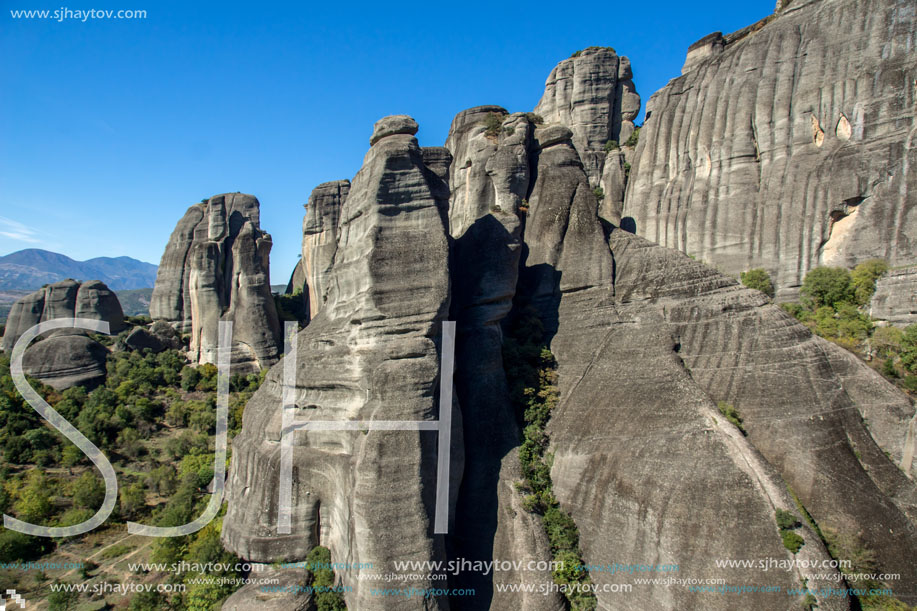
x,y
787,145
369,354
216,267
593,94
319,242
64,299
895,299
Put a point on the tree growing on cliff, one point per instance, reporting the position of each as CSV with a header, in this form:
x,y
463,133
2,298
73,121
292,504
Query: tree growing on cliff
x,y
759,280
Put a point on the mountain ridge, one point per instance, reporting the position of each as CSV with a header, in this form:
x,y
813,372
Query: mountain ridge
x,y
30,268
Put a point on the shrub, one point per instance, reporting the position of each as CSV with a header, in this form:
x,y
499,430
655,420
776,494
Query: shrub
x,y
863,279
493,124
611,145
598,192
792,541
634,138
786,520
886,341
534,118
732,415
89,491
826,286
759,280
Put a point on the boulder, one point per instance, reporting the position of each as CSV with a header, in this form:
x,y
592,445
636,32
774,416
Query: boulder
x,y
65,299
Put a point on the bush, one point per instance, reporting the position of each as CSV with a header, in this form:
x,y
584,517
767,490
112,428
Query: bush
x,y
634,138
863,279
826,287
792,541
611,145
89,491
534,118
598,192
732,415
786,520
493,124
759,280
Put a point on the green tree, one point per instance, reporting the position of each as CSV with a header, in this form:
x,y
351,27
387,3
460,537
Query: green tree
x,y
34,502
863,279
826,286
759,280
909,348
89,491
62,600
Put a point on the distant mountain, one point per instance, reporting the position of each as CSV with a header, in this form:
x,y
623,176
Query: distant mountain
x,y
31,268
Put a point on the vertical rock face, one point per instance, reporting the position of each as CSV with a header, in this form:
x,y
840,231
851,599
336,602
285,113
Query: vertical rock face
x,y
647,342
369,354
593,94
319,241
216,267
787,145
489,183
895,299
64,299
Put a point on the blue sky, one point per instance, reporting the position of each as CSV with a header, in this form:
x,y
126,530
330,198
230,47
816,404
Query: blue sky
x,y
110,129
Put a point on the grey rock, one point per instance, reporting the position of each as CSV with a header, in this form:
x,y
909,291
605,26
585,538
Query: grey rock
x,y
594,96
287,593
297,280
65,359
776,153
141,339
391,125
166,335
895,299
369,354
552,134
614,185
489,183
216,268
65,299
438,159
319,239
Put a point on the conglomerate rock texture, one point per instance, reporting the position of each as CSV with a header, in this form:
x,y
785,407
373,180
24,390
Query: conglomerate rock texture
x,y
788,145
593,94
371,353
650,346
319,241
64,358
216,267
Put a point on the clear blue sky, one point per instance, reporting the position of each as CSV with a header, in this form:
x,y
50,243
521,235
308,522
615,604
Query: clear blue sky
x,y
110,129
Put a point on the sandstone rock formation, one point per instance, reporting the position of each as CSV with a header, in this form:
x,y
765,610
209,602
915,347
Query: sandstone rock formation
x,y
895,299
369,354
65,299
650,347
319,241
593,94
65,359
489,182
788,144
216,267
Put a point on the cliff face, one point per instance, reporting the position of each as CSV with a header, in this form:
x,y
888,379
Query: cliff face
x,y
369,354
64,358
216,267
787,146
649,345
319,242
593,94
